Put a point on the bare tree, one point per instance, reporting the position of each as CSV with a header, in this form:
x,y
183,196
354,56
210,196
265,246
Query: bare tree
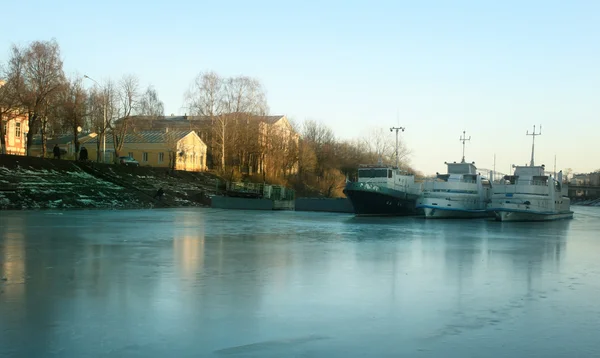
x,y
95,117
244,100
322,140
38,74
332,183
227,102
281,151
103,109
127,96
381,145
350,154
150,105
205,98
72,108
290,152
307,159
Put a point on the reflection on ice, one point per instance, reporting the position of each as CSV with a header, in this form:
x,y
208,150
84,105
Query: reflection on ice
x,y
269,284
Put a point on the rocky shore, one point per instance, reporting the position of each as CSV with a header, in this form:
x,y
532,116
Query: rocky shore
x,y
37,183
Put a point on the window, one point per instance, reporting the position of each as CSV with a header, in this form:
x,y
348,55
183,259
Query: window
x,y
372,173
145,156
130,154
161,157
18,130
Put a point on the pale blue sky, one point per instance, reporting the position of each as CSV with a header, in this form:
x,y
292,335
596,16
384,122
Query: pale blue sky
x,y
492,68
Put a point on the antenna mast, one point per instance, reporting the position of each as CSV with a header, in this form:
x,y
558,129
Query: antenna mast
x,y
494,174
397,129
534,134
464,139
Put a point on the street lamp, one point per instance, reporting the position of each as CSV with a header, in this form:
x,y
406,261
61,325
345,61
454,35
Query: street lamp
x,y
397,129
104,124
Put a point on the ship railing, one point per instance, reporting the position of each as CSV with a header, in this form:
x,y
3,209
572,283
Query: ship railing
x,y
455,185
532,182
520,189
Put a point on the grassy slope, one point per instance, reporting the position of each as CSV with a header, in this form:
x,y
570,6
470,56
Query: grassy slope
x,y
36,183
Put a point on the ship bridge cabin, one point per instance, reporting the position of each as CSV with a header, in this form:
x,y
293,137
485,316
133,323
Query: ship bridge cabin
x,y
533,180
528,175
382,174
459,172
374,172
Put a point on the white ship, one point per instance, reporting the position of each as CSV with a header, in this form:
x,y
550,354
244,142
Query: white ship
x,y
530,194
459,193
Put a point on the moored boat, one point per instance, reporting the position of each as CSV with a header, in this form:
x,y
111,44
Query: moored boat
x,y
383,191
461,192
529,194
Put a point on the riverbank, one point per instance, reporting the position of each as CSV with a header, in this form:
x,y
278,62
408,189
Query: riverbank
x,y
590,202
37,183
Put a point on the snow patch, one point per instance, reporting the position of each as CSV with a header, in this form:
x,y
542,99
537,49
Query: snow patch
x,y
81,175
32,172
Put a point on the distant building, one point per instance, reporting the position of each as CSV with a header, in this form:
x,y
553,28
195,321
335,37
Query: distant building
x,y
178,149
254,144
578,179
591,179
595,179
15,128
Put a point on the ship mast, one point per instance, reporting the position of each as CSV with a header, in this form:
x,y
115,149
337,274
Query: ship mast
x,y
397,129
494,174
464,139
534,134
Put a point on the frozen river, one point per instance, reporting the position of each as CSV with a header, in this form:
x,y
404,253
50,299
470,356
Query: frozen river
x,y
211,283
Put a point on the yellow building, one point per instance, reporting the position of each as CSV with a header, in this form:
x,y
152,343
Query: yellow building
x,y
178,149
15,134
15,128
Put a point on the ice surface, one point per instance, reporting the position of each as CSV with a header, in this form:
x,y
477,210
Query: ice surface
x,y
212,283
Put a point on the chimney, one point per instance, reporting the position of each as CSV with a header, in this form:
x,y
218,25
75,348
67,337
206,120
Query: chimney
x,y
185,116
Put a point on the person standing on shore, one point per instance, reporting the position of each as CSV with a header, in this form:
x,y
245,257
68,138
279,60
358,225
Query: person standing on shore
x,y
83,154
56,151
159,193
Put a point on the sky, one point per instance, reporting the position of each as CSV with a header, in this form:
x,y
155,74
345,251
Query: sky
x,y
492,69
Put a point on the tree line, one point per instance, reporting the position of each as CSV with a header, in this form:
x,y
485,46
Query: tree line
x,y
36,87
308,156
